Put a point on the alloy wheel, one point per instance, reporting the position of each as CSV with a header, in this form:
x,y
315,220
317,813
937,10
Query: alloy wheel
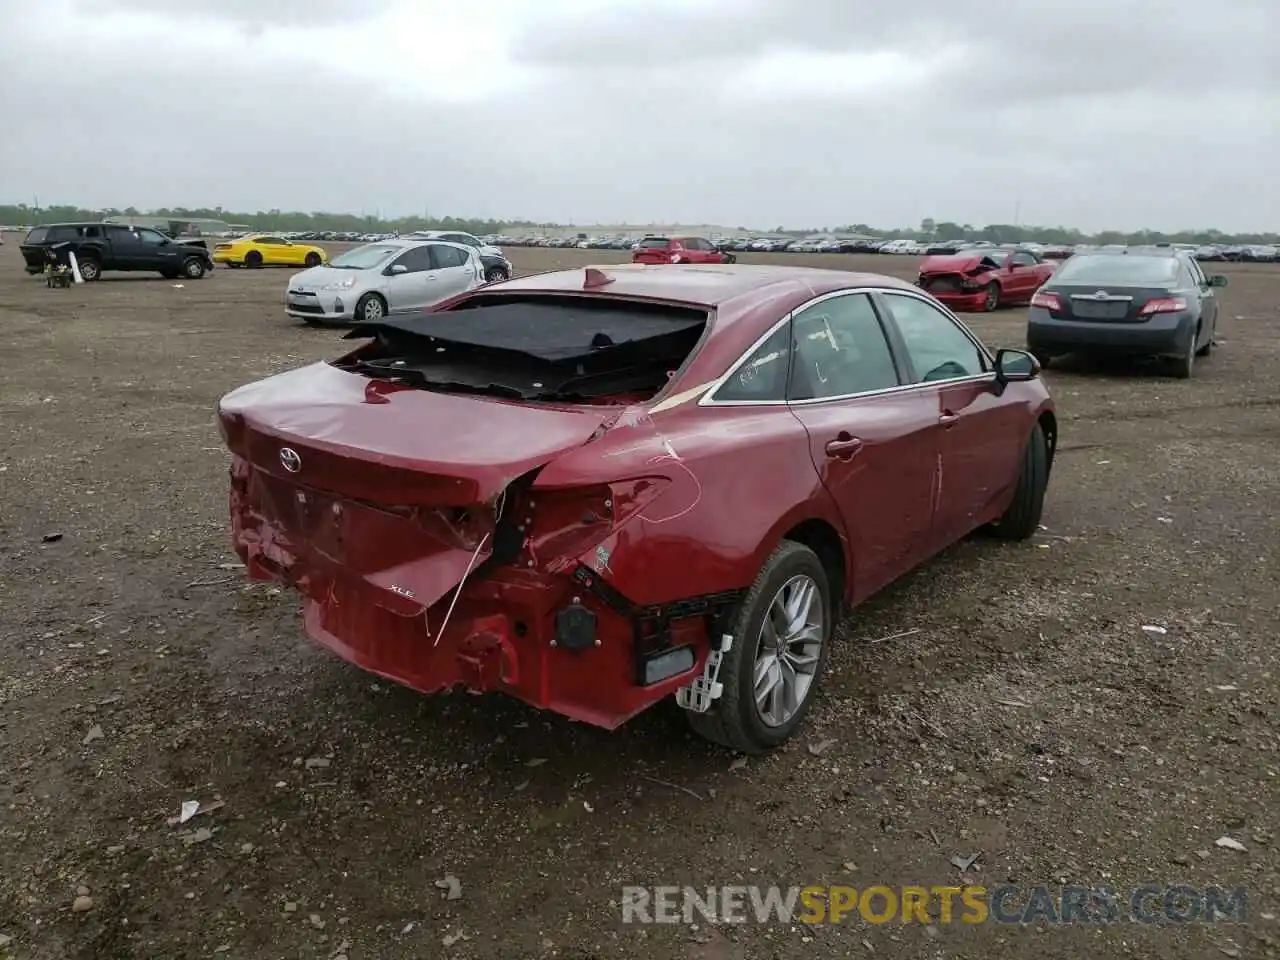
x,y
788,650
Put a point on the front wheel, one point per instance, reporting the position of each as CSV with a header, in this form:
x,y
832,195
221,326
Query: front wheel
x,y
729,258
992,301
1022,519
370,309
193,268
781,640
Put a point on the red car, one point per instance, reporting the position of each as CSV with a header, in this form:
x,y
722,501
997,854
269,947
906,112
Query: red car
x,y
596,489
679,250
984,278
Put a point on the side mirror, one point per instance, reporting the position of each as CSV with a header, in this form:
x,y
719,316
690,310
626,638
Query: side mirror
x,y
1015,366
396,269
1217,280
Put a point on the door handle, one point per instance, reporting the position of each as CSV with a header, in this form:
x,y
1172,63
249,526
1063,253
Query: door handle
x,y
948,418
843,447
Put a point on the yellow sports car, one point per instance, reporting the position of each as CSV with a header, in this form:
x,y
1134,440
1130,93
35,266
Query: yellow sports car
x,y
265,250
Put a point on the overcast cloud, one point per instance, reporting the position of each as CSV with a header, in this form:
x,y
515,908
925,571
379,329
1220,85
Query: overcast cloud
x,y
1125,114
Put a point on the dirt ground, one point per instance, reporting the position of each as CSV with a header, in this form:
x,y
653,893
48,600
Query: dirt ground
x,y
1005,701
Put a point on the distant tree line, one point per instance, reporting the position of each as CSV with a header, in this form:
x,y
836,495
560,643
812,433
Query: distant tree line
x,y
298,221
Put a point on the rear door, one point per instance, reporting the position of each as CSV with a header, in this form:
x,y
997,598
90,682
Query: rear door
x,y
452,272
125,249
981,435
874,444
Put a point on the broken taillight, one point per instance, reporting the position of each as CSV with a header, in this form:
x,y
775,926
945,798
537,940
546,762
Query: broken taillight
x,y
1047,301
1163,305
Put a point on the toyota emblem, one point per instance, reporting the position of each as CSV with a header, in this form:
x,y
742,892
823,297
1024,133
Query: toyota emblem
x,y
290,460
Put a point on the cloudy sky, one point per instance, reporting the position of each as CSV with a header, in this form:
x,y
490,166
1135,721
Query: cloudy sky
x,y
1096,113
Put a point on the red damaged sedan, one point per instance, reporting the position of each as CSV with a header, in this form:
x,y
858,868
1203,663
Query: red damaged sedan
x,y
595,489
984,278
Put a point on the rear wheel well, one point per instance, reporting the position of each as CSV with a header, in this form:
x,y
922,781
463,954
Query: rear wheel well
x,y
1049,424
820,537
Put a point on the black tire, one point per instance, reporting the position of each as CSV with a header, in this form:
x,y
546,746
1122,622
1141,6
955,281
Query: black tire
x,y
1022,519
992,303
193,268
1184,366
253,259
370,308
313,259
496,275
1208,344
730,258
733,720
90,269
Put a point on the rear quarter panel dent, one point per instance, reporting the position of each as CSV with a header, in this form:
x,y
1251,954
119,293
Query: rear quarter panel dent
x,y
740,478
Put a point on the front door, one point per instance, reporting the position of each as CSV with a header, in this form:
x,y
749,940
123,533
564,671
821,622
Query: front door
x,y
874,443
979,431
1208,302
157,252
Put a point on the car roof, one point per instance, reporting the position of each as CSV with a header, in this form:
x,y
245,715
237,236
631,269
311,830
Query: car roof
x,y
704,285
1167,252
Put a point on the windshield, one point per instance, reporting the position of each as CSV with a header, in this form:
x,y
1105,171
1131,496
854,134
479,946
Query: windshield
x,y
1120,269
364,258
995,253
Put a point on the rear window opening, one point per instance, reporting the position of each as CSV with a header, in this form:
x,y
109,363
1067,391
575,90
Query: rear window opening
x,y
654,243
560,349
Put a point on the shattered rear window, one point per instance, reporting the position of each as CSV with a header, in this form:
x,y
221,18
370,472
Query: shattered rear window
x,y
564,348
655,243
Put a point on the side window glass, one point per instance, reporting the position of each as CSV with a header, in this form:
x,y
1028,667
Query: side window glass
x,y
763,377
1024,259
938,348
443,257
840,349
152,237
416,260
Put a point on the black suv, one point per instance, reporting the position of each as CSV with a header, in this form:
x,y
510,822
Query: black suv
x,y
115,246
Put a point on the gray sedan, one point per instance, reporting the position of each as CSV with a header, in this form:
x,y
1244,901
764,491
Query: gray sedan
x,y
383,278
